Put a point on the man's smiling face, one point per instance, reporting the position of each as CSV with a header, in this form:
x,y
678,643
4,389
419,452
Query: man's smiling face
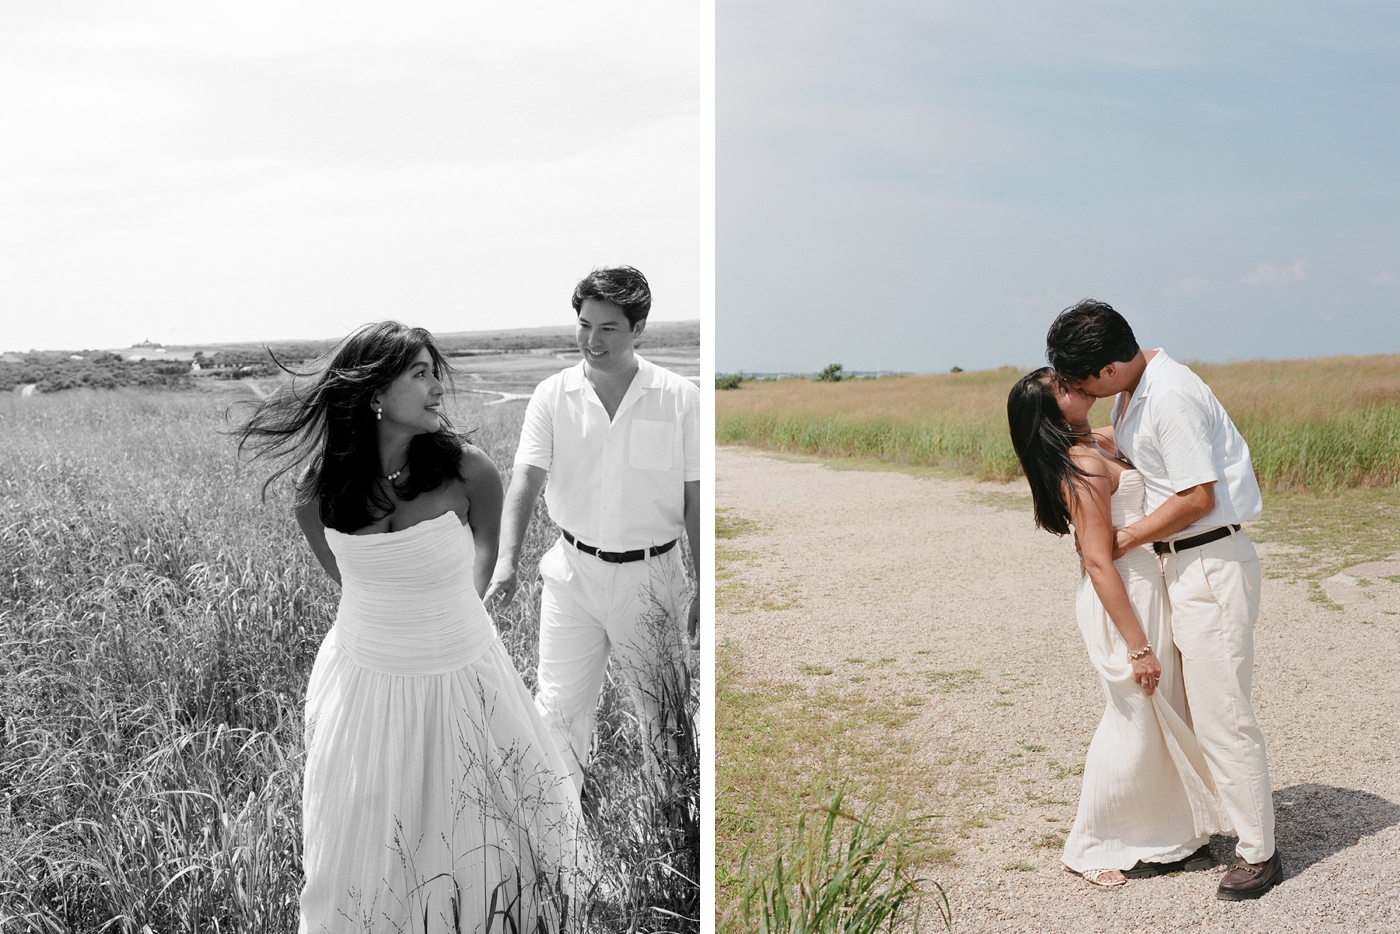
x,y
605,337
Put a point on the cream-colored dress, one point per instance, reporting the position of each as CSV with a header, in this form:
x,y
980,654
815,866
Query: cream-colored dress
x,y
432,789
1147,792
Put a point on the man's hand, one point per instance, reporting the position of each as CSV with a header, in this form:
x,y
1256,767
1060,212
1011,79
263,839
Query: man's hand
x,y
1179,511
1122,541
502,589
693,627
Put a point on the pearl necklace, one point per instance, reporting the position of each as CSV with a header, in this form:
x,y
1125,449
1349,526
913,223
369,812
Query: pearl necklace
x,y
391,477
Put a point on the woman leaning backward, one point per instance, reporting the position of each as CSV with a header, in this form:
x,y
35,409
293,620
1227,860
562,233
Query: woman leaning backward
x,y
1147,805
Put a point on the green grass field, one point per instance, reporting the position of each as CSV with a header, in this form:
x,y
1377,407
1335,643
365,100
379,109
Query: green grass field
x,y
1312,425
159,624
1325,440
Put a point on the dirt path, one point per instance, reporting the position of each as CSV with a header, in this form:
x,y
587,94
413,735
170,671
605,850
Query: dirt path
x,y
948,575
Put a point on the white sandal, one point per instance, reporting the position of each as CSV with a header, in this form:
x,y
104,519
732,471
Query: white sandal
x,y
1095,877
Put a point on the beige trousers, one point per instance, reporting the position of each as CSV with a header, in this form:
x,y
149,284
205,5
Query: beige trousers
x,y
1214,595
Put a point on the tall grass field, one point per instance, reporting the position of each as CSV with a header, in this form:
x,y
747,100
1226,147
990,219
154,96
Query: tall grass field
x,y
1312,425
157,628
1325,441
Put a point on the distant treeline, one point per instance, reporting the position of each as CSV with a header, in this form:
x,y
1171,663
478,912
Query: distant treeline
x,y
462,343
52,372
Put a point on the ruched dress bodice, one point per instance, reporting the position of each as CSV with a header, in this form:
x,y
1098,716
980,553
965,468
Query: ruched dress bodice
x,y
431,782
1127,505
408,603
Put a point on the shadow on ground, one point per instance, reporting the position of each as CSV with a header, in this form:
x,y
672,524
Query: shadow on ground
x,y
1313,822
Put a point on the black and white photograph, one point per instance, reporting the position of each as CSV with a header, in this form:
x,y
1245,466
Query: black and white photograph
x,y
351,464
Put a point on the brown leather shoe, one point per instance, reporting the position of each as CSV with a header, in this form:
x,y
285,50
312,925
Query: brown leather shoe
x,y
1249,880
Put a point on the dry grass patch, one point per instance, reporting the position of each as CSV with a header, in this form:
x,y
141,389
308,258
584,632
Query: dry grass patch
x,y
782,748
1324,424
733,595
1329,531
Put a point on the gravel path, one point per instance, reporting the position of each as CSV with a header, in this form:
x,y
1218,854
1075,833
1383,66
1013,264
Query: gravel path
x,y
950,575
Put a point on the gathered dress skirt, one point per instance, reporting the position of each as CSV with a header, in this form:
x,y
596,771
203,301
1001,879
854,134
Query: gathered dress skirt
x,y
1147,792
434,798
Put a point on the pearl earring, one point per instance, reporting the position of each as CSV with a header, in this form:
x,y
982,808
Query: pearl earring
x,y
379,415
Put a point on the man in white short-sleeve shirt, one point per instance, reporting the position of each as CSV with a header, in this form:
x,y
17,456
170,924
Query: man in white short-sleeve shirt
x,y
614,442
1200,488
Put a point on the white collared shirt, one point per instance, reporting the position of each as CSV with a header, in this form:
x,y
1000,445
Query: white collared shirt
x,y
1177,434
617,485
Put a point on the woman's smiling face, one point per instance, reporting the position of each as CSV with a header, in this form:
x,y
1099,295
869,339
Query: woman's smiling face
x,y
414,399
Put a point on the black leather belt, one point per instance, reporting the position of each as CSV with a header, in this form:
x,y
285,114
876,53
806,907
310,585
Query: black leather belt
x,y
620,557
1195,541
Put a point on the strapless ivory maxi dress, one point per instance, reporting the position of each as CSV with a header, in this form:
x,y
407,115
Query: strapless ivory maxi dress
x,y
432,789
1147,792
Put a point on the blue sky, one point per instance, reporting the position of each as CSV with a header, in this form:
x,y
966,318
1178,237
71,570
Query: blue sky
x,y
213,172
913,186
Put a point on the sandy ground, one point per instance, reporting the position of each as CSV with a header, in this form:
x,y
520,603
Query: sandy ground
x,y
948,575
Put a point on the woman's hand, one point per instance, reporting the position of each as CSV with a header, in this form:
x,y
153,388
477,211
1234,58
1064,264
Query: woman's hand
x,y
1147,671
501,590
1091,512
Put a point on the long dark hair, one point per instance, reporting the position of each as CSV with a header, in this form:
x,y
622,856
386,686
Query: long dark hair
x,y
322,419
1042,441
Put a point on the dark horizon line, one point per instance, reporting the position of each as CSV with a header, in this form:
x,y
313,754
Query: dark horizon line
x,y
200,345
847,372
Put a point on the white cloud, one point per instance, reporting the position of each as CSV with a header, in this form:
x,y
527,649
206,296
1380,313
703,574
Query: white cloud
x,y
1051,298
1191,285
1384,278
1269,274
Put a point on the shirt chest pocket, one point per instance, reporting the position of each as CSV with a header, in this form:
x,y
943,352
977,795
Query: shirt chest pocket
x,y
649,444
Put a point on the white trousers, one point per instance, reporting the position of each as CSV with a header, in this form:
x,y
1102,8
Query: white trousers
x,y
1214,595
590,610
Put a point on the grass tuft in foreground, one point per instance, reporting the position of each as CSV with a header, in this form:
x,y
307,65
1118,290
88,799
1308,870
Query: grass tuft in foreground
x,y
784,749
647,794
840,873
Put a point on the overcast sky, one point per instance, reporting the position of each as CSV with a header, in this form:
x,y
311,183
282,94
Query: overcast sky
x,y
916,185
212,172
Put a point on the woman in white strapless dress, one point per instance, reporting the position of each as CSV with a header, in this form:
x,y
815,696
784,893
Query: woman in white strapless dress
x,y
1147,804
433,797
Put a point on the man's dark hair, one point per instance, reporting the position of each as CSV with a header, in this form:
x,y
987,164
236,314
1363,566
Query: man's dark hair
x,y
1087,337
622,286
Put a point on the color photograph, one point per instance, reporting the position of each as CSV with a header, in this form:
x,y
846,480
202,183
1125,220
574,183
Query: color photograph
x,y
1058,439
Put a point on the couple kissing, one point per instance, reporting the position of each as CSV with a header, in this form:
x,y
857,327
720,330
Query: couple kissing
x,y
1166,604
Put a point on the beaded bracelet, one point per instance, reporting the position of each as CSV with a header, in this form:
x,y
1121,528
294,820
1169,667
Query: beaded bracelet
x,y
1134,656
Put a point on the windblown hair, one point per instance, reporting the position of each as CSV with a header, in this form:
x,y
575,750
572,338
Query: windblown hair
x,y
1042,441
322,420
623,286
1087,337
